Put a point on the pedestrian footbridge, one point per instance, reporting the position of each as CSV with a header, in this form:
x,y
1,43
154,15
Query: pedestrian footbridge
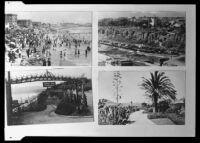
x,y
47,76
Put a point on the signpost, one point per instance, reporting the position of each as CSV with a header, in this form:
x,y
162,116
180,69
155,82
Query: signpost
x,y
49,84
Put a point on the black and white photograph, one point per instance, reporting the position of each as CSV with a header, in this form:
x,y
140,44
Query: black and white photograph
x,y
58,95
152,38
141,98
73,69
48,38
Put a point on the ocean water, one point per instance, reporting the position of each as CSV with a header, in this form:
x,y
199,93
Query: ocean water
x,y
27,90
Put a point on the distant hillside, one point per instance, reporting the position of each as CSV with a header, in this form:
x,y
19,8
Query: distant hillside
x,y
70,25
108,103
133,104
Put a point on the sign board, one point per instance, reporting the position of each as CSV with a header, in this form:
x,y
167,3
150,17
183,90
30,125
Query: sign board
x,y
56,90
49,84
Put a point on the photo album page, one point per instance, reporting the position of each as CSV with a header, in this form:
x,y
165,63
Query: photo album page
x,y
99,70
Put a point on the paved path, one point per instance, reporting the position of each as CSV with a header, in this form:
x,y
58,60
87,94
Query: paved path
x,y
139,118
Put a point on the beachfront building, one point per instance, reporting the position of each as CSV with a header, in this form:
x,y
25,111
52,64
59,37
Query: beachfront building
x,y
24,23
11,20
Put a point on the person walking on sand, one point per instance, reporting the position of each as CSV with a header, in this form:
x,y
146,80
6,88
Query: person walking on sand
x,y
86,53
49,62
44,62
27,52
78,52
75,52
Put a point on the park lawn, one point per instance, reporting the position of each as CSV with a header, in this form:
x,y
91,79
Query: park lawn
x,y
162,121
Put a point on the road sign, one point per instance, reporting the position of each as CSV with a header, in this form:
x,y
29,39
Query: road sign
x,y
49,84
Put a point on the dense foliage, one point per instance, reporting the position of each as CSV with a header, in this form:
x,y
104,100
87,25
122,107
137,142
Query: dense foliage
x,y
65,108
40,104
114,114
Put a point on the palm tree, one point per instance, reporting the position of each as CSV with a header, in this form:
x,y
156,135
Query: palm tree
x,y
157,87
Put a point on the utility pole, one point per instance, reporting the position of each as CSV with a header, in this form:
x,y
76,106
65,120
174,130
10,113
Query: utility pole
x,y
83,93
9,100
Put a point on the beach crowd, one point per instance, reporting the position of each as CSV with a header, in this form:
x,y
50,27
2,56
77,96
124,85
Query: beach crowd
x,y
26,46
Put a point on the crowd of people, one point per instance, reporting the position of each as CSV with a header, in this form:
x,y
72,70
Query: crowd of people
x,y
35,46
70,41
23,44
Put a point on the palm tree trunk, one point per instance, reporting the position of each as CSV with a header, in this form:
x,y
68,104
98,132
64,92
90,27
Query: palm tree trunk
x,y
155,97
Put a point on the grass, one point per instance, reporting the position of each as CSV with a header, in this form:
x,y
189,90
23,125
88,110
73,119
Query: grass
x,y
178,120
162,121
156,115
161,118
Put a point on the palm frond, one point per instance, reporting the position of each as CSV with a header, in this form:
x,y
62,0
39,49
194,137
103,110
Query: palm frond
x,y
158,84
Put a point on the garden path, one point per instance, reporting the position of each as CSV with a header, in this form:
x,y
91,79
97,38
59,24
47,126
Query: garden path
x,y
140,118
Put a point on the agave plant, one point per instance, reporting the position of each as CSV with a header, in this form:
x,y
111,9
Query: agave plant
x,y
157,87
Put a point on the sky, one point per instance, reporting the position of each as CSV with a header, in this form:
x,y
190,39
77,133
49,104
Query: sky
x,y
131,90
29,89
54,17
102,15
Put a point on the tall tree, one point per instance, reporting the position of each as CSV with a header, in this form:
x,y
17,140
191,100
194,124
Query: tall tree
x,y
157,87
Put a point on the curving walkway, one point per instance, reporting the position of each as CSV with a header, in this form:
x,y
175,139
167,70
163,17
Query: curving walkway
x,y
139,118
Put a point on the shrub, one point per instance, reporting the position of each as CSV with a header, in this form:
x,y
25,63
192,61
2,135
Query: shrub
x,y
133,110
170,110
164,105
182,113
174,109
39,107
65,108
101,103
137,109
150,109
114,115
156,115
